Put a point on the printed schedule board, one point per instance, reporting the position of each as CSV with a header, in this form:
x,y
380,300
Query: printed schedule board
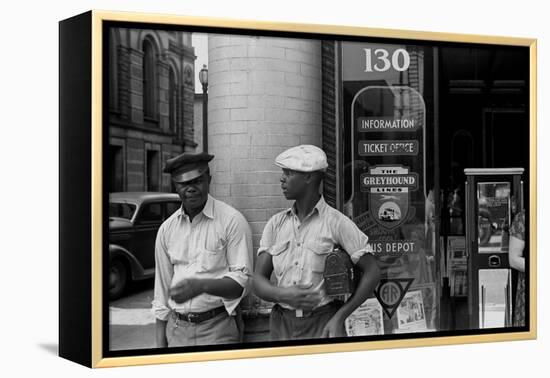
x,y
385,190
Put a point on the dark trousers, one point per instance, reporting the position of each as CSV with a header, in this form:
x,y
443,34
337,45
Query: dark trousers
x,y
284,325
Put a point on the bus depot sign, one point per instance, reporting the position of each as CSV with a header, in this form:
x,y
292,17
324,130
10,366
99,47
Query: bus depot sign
x,y
388,134
394,248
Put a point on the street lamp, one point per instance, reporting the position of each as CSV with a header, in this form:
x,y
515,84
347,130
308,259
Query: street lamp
x,y
203,78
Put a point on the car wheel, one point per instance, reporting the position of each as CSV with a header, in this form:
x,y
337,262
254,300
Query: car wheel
x,y
118,279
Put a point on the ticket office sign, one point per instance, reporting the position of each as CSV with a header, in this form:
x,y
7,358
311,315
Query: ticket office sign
x,y
388,148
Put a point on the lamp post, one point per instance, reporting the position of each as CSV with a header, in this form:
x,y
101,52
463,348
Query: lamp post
x,y
203,78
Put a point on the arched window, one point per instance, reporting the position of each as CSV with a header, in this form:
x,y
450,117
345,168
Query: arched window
x,y
149,80
172,100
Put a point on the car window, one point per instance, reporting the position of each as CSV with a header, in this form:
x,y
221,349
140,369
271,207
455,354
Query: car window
x,y
151,212
171,207
121,210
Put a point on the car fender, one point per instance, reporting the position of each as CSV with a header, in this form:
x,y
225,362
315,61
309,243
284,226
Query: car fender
x,y
137,271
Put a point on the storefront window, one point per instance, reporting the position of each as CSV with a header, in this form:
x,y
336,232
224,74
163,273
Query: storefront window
x,y
388,185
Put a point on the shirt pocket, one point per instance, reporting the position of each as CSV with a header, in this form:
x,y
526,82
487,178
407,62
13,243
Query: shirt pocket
x,y
212,259
279,254
317,255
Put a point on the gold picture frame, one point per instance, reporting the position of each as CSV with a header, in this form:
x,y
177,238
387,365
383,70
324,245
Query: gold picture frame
x,y
83,43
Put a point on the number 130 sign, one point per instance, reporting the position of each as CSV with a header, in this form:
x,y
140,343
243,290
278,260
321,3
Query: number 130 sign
x,y
399,60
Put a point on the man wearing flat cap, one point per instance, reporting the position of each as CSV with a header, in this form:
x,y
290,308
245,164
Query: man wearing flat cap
x,y
294,246
203,256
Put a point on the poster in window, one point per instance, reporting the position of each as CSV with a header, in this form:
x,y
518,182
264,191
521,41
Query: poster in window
x,y
366,320
411,316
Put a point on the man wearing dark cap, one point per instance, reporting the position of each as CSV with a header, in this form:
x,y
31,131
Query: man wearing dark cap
x,y
203,256
295,244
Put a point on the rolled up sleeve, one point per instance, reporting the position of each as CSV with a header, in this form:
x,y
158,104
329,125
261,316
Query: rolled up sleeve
x,y
239,258
163,278
352,239
267,240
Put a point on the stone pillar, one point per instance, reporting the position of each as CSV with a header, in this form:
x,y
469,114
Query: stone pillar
x,y
264,97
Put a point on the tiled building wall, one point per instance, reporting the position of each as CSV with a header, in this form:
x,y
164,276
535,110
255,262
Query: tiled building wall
x,y
264,97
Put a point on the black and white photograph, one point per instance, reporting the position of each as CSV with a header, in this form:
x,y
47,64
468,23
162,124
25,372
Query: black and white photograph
x,y
279,189
275,189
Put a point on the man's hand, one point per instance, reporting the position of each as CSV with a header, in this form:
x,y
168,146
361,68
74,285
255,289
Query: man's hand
x,y
334,328
187,289
302,297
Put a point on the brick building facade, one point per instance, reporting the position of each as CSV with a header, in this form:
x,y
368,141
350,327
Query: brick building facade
x,y
151,96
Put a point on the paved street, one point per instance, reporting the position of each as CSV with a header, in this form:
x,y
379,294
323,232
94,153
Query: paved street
x,y
132,325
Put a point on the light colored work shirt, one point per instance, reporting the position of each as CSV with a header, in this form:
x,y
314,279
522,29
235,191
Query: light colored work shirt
x,y
216,244
299,249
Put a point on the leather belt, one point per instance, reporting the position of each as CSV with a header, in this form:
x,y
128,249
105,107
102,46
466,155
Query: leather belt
x,y
198,317
319,310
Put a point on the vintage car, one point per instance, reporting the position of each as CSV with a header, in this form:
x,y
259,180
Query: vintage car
x,y
134,219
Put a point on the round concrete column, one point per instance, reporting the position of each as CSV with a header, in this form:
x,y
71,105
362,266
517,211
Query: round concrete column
x,y
264,97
